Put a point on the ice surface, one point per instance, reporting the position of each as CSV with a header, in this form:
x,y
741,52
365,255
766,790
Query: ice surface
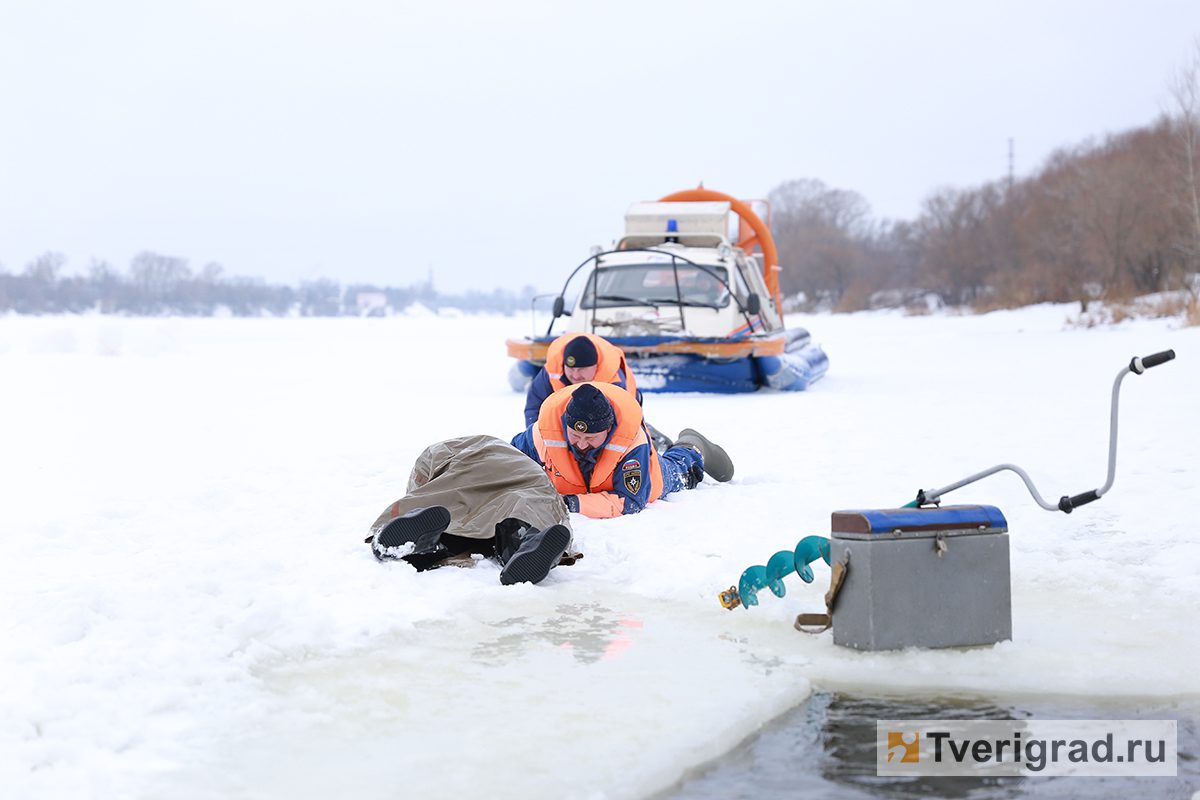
x,y
189,609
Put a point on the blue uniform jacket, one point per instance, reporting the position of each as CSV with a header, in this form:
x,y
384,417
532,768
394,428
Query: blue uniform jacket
x,y
635,464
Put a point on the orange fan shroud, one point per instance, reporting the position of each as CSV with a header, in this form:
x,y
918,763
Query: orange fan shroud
x,y
758,234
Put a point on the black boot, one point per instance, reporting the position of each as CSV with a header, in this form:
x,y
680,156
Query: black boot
x,y
717,462
662,443
421,527
528,554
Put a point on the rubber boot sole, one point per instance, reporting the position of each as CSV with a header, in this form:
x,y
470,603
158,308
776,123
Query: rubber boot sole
x,y
717,462
422,530
533,565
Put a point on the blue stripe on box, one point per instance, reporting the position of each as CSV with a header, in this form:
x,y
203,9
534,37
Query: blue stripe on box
x,y
888,520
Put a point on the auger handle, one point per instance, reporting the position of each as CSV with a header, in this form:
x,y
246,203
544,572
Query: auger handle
x,y
1065,504
1139,365
1069,504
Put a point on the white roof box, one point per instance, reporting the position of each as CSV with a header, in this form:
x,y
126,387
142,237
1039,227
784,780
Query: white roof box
x,y
699,224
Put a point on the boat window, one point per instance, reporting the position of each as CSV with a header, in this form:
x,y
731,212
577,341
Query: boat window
x,y
654,285
739,284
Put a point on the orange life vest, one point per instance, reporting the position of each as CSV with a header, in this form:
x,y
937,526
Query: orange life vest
x,y
610,362
553,448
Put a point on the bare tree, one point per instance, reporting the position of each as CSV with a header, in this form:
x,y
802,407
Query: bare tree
x,y
46,267
158,278
36,291
824,237
959,254
1184,87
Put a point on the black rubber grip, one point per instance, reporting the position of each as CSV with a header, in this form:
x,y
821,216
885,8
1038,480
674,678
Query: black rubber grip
x,y
1140,365
1069,504
1158,358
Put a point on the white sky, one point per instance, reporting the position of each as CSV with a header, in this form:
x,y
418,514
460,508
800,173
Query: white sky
x,y
494,142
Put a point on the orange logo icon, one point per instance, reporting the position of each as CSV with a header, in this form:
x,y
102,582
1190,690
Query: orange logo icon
x,y
903,747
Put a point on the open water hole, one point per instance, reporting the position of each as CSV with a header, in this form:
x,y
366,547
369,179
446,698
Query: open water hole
x,y
826,749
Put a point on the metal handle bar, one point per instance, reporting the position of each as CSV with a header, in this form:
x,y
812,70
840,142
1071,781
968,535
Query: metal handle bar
x,y
1065,504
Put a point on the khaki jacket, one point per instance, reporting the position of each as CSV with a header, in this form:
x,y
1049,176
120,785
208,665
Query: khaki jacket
x,y
481,480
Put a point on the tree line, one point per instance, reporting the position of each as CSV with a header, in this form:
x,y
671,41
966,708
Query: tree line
x,y
1108,220
157,284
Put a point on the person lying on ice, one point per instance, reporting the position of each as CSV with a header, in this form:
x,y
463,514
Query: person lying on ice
x,y
575,358
590,440
476,494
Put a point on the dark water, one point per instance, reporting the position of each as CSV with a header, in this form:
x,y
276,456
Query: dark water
x,y
826,749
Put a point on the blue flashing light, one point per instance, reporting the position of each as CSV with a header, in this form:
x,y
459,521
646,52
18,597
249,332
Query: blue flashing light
x,y
672,226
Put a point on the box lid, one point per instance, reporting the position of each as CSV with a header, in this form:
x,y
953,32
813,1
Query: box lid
x,y
918,522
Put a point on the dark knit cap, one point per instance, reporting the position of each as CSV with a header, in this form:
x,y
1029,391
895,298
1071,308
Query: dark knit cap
x,y
580,352
589,411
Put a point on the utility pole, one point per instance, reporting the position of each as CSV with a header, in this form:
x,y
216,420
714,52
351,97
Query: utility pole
x,y
1010,163
1007,217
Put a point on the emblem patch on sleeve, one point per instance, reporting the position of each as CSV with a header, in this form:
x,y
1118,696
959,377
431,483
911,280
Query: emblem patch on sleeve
x,y
632,463
633,480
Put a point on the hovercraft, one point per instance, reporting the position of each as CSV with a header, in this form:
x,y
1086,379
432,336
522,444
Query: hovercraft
x,y
691,294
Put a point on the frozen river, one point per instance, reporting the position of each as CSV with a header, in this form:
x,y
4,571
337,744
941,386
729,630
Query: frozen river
x,y
189,609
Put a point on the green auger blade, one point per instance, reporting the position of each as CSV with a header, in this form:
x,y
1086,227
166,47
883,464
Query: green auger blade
x,y
753,579
808,550
782,564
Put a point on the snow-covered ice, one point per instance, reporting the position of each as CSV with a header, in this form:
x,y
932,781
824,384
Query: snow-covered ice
x,y
189,610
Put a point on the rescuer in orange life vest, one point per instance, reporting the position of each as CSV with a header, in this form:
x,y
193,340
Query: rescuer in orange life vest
x,y
575,358
591,441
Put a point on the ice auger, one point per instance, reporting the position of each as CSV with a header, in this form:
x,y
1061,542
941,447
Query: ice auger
x,y
745,594
779,566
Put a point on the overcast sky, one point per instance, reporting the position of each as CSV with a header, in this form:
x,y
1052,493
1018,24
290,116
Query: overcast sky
x,y
494,141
